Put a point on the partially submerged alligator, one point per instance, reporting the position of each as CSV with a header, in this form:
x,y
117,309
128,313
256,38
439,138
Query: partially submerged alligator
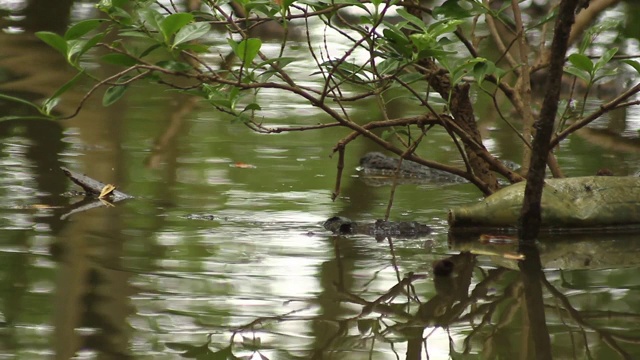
x,y
376,165
377,169
379,229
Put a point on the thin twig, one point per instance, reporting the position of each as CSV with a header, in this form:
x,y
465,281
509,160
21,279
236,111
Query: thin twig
x,y
596,114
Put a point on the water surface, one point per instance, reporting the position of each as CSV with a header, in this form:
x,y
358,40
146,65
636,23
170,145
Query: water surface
x,y
222,250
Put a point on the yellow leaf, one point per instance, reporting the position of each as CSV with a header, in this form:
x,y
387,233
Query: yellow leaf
x,y
513,256
106,190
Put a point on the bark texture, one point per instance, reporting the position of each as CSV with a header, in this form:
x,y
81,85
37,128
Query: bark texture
x,y
530,215
461,110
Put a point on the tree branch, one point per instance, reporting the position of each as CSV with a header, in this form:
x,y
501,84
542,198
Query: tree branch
x,y
530,217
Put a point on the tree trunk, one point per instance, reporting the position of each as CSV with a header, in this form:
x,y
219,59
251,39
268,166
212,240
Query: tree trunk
x,y
461,110
530,214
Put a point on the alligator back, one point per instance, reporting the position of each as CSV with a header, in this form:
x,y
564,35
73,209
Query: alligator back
x,y
378,169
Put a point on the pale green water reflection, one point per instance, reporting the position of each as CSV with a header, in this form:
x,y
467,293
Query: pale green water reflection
x,y
256,271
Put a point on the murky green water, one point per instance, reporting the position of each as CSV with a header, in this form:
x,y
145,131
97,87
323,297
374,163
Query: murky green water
x,y
254,273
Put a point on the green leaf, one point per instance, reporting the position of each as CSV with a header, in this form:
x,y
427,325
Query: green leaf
x,y
191,32
234,96
52,101
444,27
54,40
50,104
135,34
259,7
578,73
151,18
252,106
114,93
26,117
82,28
232,44
265,76
73,47
634,64
461,70
122,16
481,69
119,59
83,46
397,41
395,36
499,73
388,66
424,41
419,23
605,58
593,32
149,50
174,22
581,62
451,9
19,100
247,50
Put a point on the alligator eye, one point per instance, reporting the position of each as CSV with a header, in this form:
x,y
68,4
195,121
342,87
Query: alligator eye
x,y
345,229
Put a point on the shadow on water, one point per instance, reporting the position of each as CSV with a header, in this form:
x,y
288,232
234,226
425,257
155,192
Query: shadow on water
x,y
255,274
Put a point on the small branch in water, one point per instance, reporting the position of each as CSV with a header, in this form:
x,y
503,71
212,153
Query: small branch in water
x,y
336,192
92,187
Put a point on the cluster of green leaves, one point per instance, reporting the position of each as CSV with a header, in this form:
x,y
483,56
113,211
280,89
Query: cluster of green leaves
x,y
582,67
164,37
72,45
148,36
173,32
398,45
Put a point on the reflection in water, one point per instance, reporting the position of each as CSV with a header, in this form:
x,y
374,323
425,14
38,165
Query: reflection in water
x,y
535,323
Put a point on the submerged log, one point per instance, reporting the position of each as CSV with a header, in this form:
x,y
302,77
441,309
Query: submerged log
x,y
596,202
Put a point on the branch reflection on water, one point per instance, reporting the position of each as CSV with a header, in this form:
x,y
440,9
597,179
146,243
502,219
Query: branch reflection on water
x,y
498,312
